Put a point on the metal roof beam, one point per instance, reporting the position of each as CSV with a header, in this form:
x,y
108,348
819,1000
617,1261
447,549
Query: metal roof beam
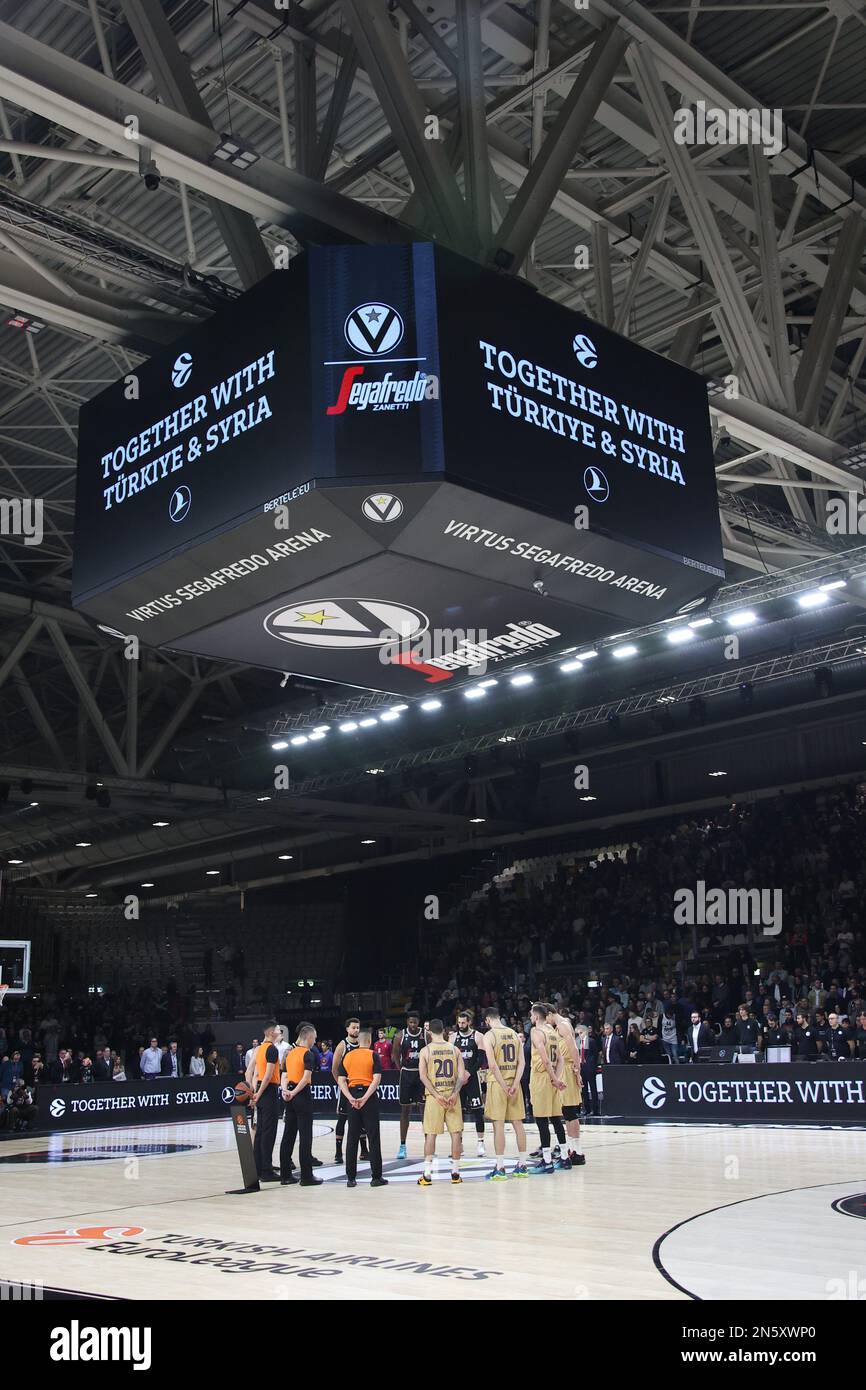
x,y
817,356
546,173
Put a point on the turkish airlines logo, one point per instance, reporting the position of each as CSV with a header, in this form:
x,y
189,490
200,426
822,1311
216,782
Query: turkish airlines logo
x,y
345,623
79,1235
654,1093
373,329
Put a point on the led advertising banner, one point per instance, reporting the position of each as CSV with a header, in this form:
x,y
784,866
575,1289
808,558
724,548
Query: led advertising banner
x,y
381,445
782,1093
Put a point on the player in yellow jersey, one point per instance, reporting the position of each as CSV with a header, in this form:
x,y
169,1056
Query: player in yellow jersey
x,y
572,1151
503,1049
442,1073
545,1083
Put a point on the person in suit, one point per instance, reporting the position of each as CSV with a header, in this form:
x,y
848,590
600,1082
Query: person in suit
x,y
698,1035
613,1051
172,1062
588,1047
102,1067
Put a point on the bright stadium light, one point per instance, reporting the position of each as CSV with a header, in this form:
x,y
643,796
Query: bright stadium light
x,y
428,705
367,723
485,685
349,727
299,740
317,735
476,693
569,666
621,653
389,716
833,584
525,679
814,599
279,745
678,635
743,619
586,656
701,622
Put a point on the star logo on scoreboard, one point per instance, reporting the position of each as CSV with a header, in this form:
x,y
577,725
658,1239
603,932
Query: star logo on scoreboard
x,y
345,623
373,329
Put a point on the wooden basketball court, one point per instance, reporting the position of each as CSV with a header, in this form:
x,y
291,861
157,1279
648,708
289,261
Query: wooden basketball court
x,y
660,1211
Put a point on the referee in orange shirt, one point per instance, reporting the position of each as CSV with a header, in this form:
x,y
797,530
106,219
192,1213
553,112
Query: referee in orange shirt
x,y
299,1064
360,1072
263,1075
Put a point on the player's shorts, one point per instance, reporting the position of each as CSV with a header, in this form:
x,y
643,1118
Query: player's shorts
x,y
436,1119
545,1099
571,1112
471,1098
573,1093
411,1087
499,1106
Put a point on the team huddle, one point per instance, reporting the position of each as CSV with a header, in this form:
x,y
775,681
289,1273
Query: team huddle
x,y
457,1076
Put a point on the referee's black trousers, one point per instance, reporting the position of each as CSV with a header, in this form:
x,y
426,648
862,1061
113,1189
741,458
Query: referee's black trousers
x,y
267,1110
367,1119
590,1089
298,1124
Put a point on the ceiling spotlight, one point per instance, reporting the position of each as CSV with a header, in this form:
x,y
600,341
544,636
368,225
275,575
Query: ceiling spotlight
x,y
82,844
368,842
389,716
285,856
666,700
34,803
743,619
476,693
368,723
263,798
279,745
477,820
678,635
833,584
816,598
586,656
431,705
161,824
589,798
375,771
717,774
701,622
525,679
317,735
231,151
212,873
91,895
349,727
398,709
506,738
299,739
146,885
485,685
569,666
16,861
622,652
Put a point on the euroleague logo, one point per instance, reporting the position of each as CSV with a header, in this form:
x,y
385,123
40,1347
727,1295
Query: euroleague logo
x,y
182,370
79,1235
584,350
57,1108
373,329
654,1093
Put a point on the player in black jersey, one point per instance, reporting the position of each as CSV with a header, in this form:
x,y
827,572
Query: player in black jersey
x,y
348,1044
406,1053
471,1049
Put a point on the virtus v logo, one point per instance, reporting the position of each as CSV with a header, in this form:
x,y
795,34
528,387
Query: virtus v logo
x,y
373,329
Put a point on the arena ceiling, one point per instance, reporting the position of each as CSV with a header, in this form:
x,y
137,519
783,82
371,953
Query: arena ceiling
x,y
554,127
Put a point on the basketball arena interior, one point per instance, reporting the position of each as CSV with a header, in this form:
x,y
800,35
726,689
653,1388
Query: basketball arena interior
x,y
433,658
